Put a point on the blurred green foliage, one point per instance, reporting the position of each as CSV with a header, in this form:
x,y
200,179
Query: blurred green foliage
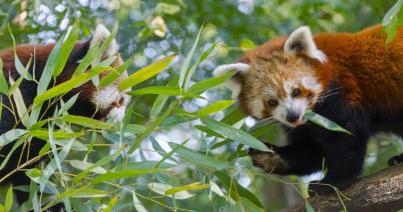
x,y
150,30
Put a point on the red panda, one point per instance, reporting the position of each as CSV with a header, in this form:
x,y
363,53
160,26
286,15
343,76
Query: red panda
x,y
353,79
100,103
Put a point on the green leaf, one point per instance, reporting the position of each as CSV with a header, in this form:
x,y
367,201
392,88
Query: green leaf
x,y
9,199
192,186
236,191
324,122
69,85
208,131
112,76
44,134
207,84
170,9
146,72
86,122
197,158
184,71
82,193
137,204
20,104
124,174
152,125
246,44
99,163
55,63
111,204
309,207
11,136
391,20
82,165
23,71
235,134
3,82
193,68
215,107
161,90
68,44
161,188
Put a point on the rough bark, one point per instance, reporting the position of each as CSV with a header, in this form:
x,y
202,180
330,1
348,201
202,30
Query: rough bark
x,y
382,191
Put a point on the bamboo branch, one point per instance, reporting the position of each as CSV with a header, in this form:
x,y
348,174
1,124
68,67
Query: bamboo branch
x,y
382,191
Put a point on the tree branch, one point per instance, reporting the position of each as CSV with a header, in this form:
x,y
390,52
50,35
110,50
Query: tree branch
x,y
382,191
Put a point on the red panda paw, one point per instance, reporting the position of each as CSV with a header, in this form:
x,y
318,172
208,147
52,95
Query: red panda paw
x,y
270,162
395,160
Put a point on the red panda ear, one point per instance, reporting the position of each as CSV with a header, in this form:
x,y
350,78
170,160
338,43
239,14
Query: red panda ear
x,y
101,34
233,84
301,41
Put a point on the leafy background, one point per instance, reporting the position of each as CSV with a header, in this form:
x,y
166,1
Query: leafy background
x,y
165,155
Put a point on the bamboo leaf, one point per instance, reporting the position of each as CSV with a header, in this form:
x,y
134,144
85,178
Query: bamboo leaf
x,y
20,104
86,122
11,136
123,174
82,165
235,134
82,193
184,71
161,188
44,134
56,62
215,107
99,163
9,199
146,72
112,76
324,122
196,157
3,82
207,84
161,90
236,191
69,85
192,186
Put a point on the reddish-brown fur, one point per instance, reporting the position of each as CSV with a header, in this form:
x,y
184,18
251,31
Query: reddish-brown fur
x,y
369,70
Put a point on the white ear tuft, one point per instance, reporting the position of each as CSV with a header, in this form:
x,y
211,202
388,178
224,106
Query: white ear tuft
x,y
101,34
233,84
238,67
301,41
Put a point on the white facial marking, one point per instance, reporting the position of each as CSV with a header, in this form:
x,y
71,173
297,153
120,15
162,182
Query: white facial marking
x,y
116,114
106,96
303,36
100,35
238,67
311,83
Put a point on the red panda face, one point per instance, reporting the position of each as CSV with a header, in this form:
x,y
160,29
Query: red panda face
x,y
278,79
110,101
281,86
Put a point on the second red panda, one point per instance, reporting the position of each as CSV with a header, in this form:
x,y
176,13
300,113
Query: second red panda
x,y
99,103
353,79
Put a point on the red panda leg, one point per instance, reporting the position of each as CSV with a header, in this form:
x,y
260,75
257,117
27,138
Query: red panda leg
x,y
301,157
395,160
344,160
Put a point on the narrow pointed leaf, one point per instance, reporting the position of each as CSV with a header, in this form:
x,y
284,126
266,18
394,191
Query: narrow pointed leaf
x,y
146,72
235,134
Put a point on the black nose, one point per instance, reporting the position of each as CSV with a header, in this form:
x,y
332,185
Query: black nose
x,y
292,116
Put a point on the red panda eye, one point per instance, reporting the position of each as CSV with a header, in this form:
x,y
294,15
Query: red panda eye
x,y
296,92
121,100
272,102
